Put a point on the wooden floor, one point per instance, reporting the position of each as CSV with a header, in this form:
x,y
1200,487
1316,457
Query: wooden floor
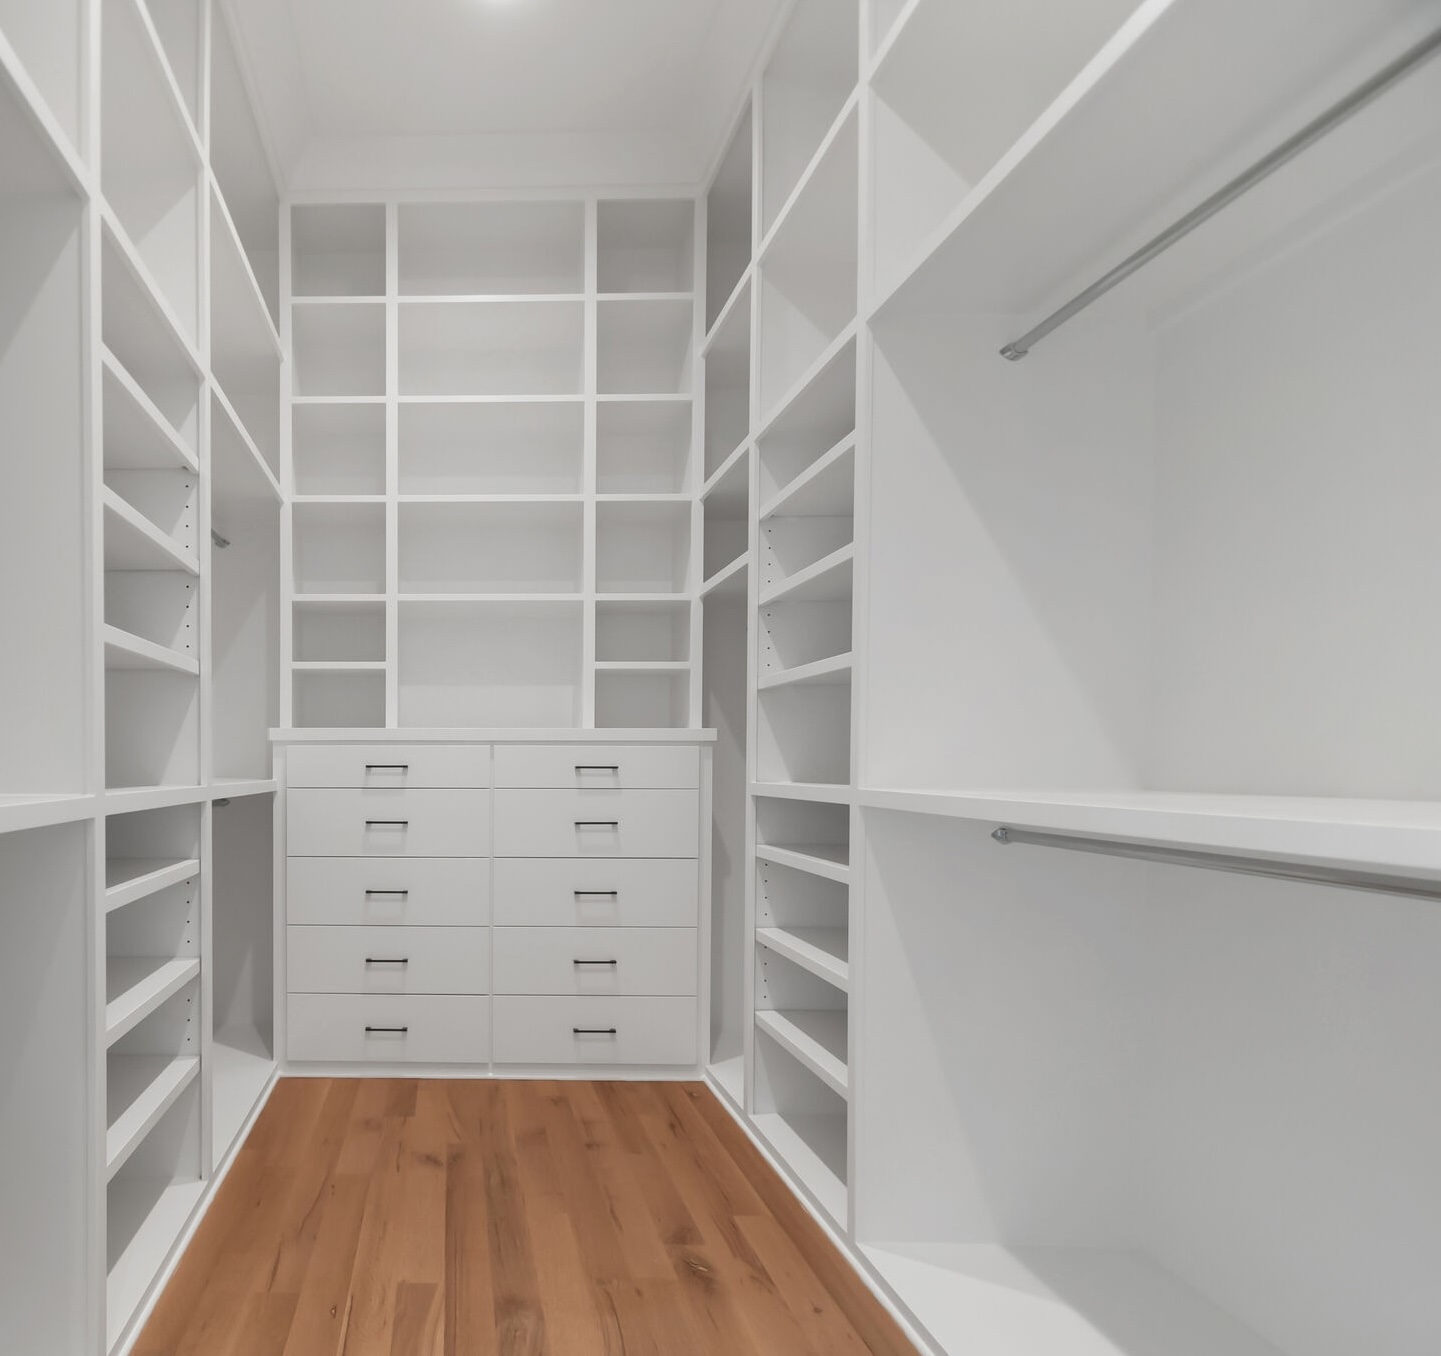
x,y
447,1218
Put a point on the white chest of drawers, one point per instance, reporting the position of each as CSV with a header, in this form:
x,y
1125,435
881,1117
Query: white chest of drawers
x,y
503,906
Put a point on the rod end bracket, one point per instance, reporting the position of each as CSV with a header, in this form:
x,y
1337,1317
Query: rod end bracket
x,y
1002,835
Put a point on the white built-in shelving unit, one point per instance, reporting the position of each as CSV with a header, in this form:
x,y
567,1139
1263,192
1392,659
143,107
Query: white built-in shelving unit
x,y
140,391
1157,584
492,463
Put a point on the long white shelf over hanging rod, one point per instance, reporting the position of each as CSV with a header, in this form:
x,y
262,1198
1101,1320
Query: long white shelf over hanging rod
x,y
1288,150
1234,863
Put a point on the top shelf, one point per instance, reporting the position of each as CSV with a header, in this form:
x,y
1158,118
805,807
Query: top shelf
x,y
1388,836
1137,137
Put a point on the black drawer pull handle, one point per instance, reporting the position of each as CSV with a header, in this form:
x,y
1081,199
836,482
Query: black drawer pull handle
x,y
401,893
598,894
595,962
593,1031
386,1030
392,823
387,767
597,767
597,823
387,960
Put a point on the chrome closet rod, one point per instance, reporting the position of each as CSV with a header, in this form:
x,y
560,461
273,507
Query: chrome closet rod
x,y
1313,131
1235,863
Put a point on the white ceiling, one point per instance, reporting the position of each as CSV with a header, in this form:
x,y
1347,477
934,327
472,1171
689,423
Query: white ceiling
x,y
431,93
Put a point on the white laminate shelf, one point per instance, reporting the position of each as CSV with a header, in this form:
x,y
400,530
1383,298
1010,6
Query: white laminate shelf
x,y
828,580
829,860
1395,837
19,812
811,1145
729,581
239,472
126,651
825,952
232,788
822,672
139,1090
825,489
151,1218
137,437
133,542
816,1038
136,985
830,793
238,310
128,879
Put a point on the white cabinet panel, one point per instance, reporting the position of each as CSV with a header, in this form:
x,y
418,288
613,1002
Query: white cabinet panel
x,y
595,1030
388,960
587,892
597,823
379,891
605,766
619,961
388,823
388,1029
388,765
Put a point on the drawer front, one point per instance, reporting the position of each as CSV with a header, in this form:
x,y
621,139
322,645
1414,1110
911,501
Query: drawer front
x,y
597,823
386,891
424,1029
632,962
388,960
595,1030
540,892
385,823
388,765
607,766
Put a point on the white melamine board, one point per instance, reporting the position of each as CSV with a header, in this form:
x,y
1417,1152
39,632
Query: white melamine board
x,y
535,892
389,892
242,1064
243,478
152,729
42,374
490,548
126,651
339,548
139,1090
821,951
338,250
179,25
48,42
643,346
642,548
639,632
382,822
136,435
626,701
339,632
817,416
812,1145
491,248
816,1038
803,734
492,448
642,448
393,766
727,363
46,1071
339,700
339,449
806,82
490,663
491,348
787,547
136,986
388,1028
338,350
728,221
388,959
826,488
1157,1041
645,246
241,163
816,836
618,767
590,960
160,606
150,163
596,823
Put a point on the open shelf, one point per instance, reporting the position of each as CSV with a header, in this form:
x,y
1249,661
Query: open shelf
x,y
808,272
803,734
125,651
241,1067
241,164
133,542
643,448
48,40
804,917
646,246
818,415
501,447
497,547
339,632
491,248
825,489
139,1090
810,76
727,365
135,986
808,836
729,582
128,879
150,162
831,671
816,1038
495,664
338,700
728,221
644,345
338,449
725,514
955,89
136,436
826,580
642,632
642,548
339,548
635,699
43,382
338,250
338,350
506,348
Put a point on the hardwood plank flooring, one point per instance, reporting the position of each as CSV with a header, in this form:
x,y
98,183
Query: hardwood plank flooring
x,y
405,1217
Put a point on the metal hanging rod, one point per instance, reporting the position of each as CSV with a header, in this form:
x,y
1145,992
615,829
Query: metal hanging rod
x,y
1235,863
1312,132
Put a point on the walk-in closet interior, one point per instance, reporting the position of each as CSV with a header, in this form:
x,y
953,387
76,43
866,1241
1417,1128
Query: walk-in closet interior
x,y
875,557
